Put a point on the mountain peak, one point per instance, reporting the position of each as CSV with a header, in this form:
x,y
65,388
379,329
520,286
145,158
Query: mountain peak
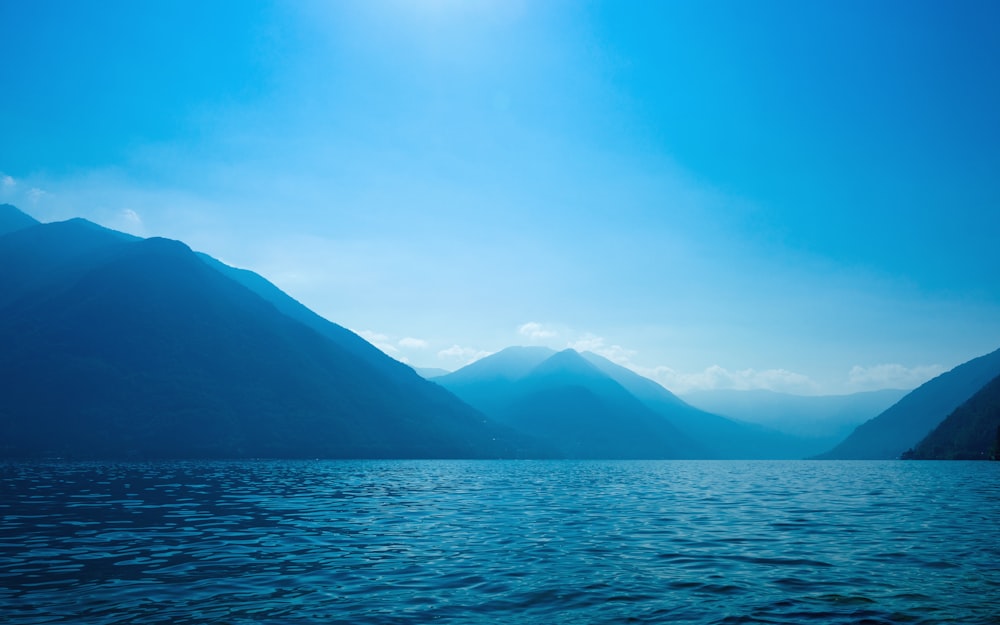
x,y
509,364
568,361
569,367
156,353
12,219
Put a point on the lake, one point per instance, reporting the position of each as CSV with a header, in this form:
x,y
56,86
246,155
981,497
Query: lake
x,y
500,542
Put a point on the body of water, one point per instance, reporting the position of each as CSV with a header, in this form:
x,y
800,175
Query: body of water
x,y
500,542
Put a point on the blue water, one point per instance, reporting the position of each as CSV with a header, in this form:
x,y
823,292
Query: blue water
x,y
500,542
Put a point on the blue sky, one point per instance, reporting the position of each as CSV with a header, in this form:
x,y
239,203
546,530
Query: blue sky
x,y
802,196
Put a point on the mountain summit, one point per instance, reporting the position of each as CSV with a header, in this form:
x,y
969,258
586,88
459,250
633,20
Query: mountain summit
x,y
561,397
12,219
565,401
122,347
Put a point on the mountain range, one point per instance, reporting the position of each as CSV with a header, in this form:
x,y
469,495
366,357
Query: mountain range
x,y
119,346
567,402
565,397
822,420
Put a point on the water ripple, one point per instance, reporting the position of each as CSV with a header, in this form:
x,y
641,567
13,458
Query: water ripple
x,y
499,542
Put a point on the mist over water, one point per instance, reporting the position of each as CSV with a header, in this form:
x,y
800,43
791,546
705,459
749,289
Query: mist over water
x,y
500,542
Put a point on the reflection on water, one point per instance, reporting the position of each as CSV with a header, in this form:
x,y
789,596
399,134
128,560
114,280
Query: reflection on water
x,y
500,542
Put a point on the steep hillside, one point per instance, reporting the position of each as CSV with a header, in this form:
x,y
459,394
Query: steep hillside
x,y
971,432
12,219
719,436
117,347
913,417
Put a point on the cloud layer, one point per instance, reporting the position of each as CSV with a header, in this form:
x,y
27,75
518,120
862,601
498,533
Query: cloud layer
x,y
892,375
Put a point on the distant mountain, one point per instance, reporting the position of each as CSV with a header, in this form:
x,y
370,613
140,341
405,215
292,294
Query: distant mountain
x,y
719,436
429,373
565,401
122,347
909,420
526,386
825,420
489,382
12,219
971,432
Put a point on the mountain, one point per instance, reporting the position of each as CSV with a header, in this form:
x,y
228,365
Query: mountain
x,y
12,219
564,400
489,382
122,347
971,432
909,420
429,373
825,420
719,436
527,386
40,260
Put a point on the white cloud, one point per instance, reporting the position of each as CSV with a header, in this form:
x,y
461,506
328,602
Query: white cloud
x,y
536,331
372,337
412,343
717,377
464,355
379,340
891,375
714,377
131,216
35,194
127,220
593,343
7,183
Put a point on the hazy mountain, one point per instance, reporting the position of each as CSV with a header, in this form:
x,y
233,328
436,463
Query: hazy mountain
x,y
971,432
567,402
721,437
12,219
521,379
826,419
488,382
909,420
429,373
510,364
116,346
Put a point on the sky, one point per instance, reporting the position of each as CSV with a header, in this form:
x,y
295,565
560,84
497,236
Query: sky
x,y
796,196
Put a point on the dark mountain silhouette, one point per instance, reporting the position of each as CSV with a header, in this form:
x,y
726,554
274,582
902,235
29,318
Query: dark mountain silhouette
x,y
43,259
719,436
913,417
403,377
122,347
567,402
12,219
823,420
971,432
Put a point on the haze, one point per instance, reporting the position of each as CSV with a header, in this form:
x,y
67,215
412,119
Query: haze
x,y
799,197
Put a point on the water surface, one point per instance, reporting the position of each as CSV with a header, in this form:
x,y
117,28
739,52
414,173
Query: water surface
x,y
500,542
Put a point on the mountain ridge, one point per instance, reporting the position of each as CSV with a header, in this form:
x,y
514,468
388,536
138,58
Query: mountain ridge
x,y
908,421
13,219
970,432
564,400
149,351
829,417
